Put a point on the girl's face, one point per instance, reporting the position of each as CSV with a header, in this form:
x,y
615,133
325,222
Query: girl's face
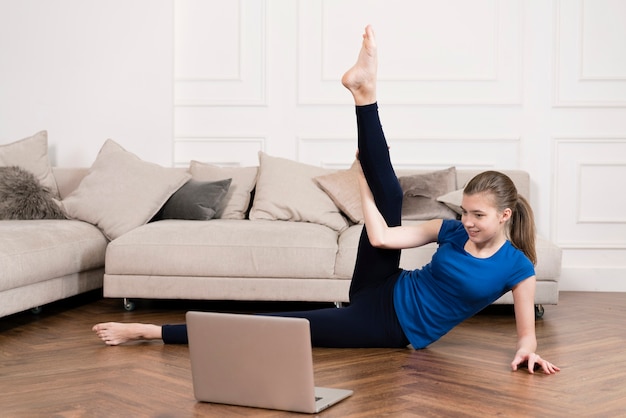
x,y
481,218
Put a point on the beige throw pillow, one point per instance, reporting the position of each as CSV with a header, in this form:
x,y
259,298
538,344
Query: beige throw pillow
x,y
453,200
31,154
236,203
343,188
121,192
421,192
286,191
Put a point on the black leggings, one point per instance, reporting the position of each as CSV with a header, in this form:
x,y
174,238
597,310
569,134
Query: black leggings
x,y
370,319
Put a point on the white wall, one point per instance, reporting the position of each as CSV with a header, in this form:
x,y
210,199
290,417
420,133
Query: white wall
x,y
531,84
85,71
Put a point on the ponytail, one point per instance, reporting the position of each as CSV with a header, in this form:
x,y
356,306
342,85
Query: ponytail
x,y
521,228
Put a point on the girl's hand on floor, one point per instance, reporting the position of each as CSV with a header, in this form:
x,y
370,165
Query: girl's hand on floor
x,y
533,362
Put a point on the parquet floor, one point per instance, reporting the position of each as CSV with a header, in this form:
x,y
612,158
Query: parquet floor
x,y
52,366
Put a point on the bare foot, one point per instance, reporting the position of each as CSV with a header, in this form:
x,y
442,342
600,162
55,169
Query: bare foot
x,y
115,333
361,78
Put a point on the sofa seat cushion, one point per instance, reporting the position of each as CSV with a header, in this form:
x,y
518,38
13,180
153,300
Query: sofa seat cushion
x,y
225,248
36,250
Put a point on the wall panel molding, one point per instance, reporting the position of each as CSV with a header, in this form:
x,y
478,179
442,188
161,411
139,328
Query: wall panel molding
x,y
424,152
593,206
588,198
209,73
490,74
223,150
589,58
603,58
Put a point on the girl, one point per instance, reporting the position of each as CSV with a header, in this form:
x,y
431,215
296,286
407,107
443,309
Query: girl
x,y
474,265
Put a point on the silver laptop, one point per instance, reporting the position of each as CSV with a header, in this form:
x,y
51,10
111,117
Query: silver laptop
x,y
254,360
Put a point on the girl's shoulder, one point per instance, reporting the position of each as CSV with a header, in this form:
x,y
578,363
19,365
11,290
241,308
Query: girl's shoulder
x,y
452,230
516,256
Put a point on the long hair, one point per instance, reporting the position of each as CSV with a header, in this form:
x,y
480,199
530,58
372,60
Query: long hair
x,y
521,226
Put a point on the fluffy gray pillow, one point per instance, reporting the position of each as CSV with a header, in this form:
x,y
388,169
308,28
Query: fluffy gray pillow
x,y
196,201
22,196
31,154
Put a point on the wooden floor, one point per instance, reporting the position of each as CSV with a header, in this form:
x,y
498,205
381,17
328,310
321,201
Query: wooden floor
x,y
52,365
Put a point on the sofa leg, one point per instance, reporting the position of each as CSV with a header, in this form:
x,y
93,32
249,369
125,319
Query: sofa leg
x,y
129,305
338,304
539,311
36,310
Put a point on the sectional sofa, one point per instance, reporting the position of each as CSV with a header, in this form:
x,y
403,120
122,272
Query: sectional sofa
x,y
281,231
43,260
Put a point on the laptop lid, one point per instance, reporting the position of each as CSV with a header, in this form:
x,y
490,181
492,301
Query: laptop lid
x,y
254,360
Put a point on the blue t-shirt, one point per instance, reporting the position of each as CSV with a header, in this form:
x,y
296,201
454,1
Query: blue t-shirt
x,y
454,286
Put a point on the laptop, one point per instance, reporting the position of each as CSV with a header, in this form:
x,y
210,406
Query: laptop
x,y
257,361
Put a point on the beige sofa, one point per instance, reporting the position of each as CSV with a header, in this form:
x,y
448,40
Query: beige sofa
x,y
42,261
262,259
284,231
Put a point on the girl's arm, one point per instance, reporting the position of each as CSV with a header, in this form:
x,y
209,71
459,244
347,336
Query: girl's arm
x,y
524,304
399,237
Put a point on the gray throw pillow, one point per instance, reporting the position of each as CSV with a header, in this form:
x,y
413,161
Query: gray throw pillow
x,y
196,200
236,203
421,192
22,196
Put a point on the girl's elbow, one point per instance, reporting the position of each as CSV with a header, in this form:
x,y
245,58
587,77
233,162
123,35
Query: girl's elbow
x,y
377,242
381,242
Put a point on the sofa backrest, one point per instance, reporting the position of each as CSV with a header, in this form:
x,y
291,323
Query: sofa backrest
x,y
68,178
520,178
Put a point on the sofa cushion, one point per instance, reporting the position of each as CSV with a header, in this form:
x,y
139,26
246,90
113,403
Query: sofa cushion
x,y
421,192
286,191
31,154
346,256
226,248
34,251
122,192
195,201
453,200
68,179
236,203
343,188
22,196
